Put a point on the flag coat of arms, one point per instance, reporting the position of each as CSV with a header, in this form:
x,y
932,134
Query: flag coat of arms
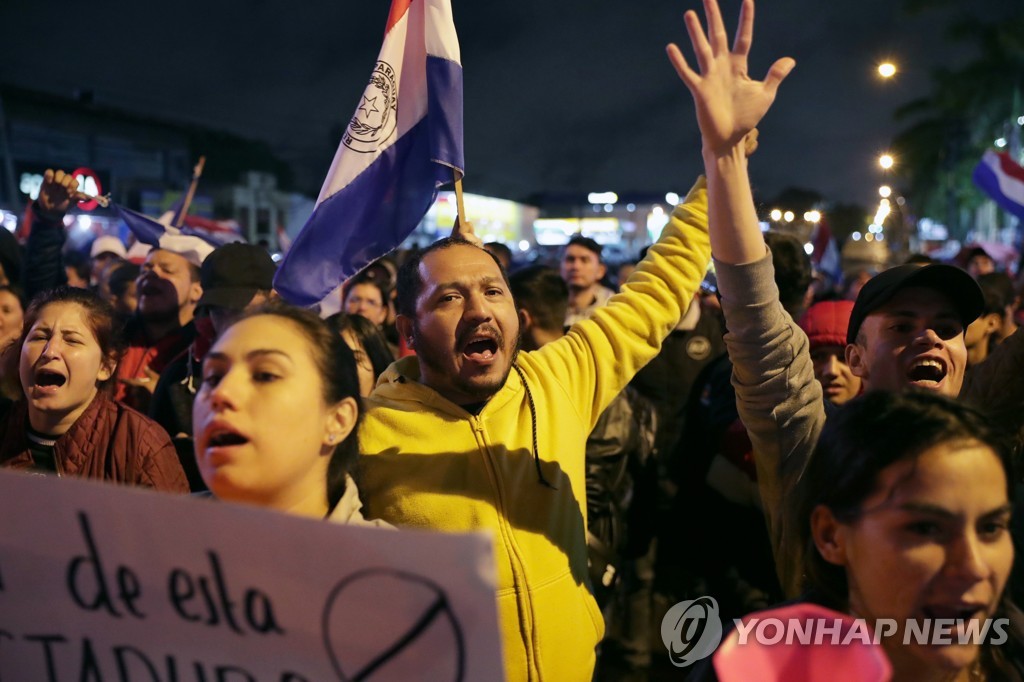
x,y
402,143
1003,180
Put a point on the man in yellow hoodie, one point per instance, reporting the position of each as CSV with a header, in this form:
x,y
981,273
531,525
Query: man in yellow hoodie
x,y
472,435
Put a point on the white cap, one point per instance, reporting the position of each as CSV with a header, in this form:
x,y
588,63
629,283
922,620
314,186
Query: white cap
x,y
108,243
192,249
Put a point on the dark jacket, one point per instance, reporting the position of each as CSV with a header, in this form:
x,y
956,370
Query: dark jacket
x,y
109,441
619,475
171,408
44,263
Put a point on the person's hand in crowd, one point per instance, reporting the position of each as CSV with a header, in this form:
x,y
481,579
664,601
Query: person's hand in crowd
x,y
464,230
729,103
57,192
140,389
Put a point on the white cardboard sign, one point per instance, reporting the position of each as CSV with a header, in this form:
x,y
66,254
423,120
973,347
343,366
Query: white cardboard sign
x,y
101,583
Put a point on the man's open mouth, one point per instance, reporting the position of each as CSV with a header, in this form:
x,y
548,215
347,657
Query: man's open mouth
x,y
927,370
480,349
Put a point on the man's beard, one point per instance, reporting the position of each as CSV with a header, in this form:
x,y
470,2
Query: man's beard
x,y
429,357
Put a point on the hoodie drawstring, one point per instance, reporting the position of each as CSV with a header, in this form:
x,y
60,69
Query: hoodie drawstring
x,y
533,419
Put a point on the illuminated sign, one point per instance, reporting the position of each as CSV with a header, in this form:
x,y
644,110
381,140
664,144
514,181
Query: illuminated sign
x,y
88,183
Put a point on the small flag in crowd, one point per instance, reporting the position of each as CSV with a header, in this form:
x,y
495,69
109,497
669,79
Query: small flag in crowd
x,y
826,254
194,245
1003,180
403,142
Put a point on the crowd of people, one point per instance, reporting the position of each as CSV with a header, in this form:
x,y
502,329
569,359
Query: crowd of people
x,y
711,423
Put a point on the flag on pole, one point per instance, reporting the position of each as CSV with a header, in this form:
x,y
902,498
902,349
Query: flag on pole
x,y
193,245
826,254
402,143
1003,180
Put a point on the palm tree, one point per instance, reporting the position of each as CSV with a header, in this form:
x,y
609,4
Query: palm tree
x,y
967,109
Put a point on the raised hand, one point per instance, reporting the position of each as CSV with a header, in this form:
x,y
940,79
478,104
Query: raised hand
x,y
729,103
466,231
56,193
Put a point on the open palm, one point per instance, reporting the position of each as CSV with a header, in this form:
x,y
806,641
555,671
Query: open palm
x,y
729,102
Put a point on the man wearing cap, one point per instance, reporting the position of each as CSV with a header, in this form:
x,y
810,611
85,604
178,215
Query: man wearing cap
x,y
826,324
233,277
168,289
906,330
105,251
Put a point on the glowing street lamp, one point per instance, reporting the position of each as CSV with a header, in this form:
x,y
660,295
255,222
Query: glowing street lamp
x,y
788,215
886,161
812,216
887,70
776,215
885,191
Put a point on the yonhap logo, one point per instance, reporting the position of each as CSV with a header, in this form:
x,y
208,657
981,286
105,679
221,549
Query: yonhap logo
x,y
691,630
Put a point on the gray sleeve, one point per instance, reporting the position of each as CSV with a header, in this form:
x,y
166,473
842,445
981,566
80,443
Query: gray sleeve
x,y
777,396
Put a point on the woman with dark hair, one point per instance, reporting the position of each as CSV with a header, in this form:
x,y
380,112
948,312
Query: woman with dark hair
x,y
368,345
276,418
66,421
907,503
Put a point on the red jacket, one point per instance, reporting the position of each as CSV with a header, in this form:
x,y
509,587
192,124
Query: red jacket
x,y
110,442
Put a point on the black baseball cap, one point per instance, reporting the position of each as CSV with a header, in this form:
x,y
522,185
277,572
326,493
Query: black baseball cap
x,y
949,280
233,273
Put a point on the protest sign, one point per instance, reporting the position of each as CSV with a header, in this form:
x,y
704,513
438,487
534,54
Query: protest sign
x,y
106,583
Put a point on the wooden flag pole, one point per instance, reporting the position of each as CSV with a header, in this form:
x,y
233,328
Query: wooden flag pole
x,y
460,206
197,172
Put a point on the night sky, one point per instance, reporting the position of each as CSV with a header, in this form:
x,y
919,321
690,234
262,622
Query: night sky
x,y
560,96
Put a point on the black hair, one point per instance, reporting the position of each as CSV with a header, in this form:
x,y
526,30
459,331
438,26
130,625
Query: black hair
x,y
369,334
997,288
587,243
337,366
919,258
79,262
99,314
121,277
793,272
501,248
375,282
410,285
15,291
870,433
543,293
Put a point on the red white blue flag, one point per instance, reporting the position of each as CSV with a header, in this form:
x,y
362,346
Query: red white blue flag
x,y
1003,180
403,142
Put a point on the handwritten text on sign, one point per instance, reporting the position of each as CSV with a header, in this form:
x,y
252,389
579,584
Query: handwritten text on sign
x,y
101,583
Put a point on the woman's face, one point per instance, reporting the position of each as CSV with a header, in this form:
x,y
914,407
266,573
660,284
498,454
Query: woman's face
x,y
11,318
364,368
263,433
932,542
61,363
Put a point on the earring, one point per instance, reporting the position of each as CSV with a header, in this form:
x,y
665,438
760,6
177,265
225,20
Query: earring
x,y
331,438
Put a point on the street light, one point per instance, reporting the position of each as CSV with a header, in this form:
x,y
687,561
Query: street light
x,y
887,70
776,215
886,161
885,191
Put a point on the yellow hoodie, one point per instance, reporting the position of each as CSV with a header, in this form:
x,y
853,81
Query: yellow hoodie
x,y
427,463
